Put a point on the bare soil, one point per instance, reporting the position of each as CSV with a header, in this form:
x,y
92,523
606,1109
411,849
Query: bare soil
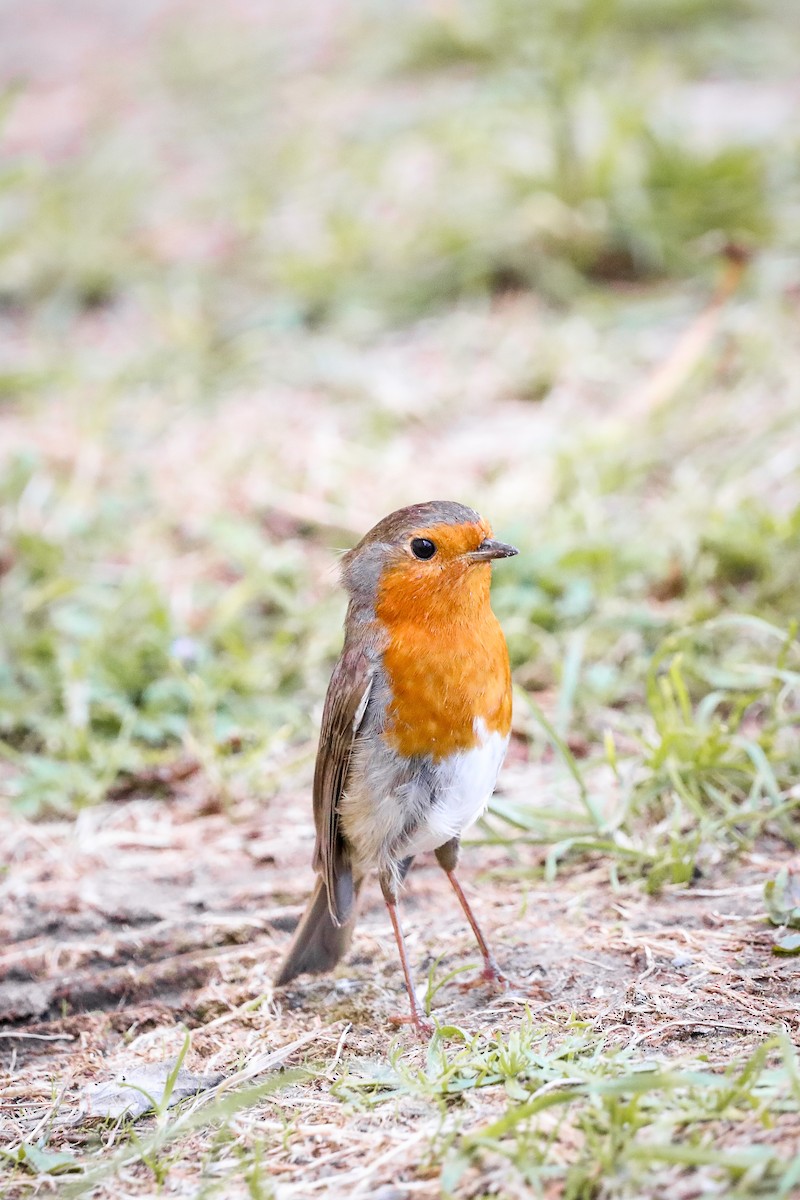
x,y
149,915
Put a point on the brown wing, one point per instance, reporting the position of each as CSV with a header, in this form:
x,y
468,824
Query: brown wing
x,y
345,705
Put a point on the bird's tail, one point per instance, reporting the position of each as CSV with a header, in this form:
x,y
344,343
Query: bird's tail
x,y
318,944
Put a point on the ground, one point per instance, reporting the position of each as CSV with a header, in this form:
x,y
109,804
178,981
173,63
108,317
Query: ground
x,y
267,273
157,917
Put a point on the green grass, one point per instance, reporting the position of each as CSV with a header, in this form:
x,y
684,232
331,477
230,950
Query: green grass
x,y
98,678
631,1126
542,165
625,1124
619,1113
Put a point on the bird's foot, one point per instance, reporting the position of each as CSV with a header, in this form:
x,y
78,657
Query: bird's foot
x,y
491,976
422,1025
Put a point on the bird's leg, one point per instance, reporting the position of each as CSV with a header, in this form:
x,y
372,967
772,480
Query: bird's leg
x,y
422,1026
491,971
447,857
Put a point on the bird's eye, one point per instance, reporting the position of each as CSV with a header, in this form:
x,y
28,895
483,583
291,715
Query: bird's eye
x,y
422,548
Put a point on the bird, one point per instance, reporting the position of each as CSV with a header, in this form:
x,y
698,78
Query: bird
x,y
415,726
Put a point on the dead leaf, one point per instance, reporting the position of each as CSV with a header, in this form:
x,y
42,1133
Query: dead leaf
x,y
144,1087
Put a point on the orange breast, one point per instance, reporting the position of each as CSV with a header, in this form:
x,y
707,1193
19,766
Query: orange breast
x,y
446,660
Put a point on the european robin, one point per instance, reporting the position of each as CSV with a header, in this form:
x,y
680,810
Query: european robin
x,y
415,725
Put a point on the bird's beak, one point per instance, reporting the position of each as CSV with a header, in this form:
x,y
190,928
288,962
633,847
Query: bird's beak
x,y
489,548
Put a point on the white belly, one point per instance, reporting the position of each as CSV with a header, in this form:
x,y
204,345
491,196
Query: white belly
x,y
391,810
464,787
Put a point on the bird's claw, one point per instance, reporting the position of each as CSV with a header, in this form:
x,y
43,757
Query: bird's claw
x,y
491,976
423,1026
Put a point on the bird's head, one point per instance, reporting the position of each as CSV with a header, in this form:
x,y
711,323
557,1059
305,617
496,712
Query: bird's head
x,y
437,553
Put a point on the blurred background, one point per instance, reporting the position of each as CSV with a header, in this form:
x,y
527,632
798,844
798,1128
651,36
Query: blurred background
x,y
269,271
